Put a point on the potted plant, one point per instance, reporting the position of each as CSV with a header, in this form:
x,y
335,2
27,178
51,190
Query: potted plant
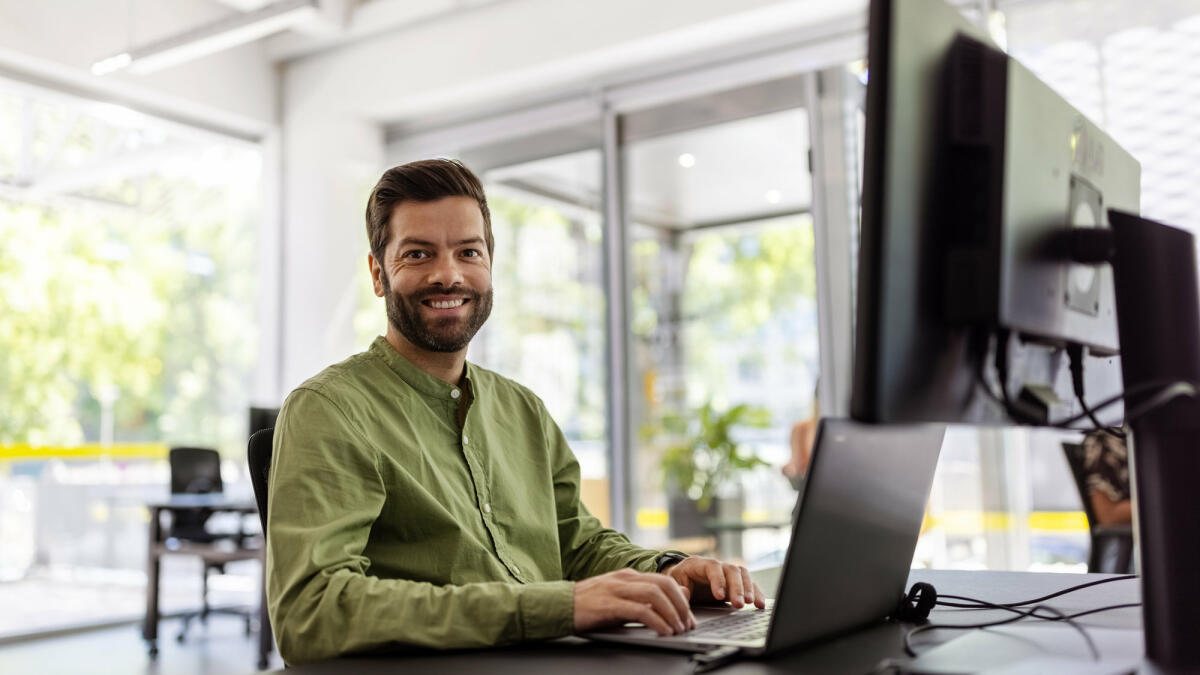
x,y
702,462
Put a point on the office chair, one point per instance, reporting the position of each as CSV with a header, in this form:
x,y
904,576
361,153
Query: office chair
x,y
194,471
1111,545
198,471
258,456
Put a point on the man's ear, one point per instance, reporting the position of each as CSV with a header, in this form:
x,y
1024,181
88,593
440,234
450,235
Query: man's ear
x,y
376,275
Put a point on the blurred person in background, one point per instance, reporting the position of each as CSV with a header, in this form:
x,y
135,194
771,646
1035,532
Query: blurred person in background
x,y
1106,465
804,435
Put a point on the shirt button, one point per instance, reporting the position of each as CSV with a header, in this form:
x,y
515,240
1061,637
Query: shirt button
x,y
487,508
516,570
454,393
464,439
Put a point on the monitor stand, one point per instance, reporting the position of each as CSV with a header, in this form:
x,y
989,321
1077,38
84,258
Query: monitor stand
x,y
1158,321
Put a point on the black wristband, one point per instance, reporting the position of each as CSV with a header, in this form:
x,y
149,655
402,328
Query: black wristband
x,y
667,559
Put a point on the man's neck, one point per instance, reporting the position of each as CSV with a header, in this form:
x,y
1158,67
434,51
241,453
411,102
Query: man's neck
x,y
445,366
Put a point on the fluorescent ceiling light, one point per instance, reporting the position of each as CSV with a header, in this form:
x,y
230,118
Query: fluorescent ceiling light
x,y
687,160
111,64
237,29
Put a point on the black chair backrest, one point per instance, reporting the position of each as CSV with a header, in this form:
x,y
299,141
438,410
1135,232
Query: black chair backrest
x,y
258,454
195,471
1075,460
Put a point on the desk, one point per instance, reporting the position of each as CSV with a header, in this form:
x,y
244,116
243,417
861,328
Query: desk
x,y
158,547
855,654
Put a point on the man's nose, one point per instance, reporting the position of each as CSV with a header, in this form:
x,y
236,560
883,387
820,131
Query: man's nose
x,y
445,271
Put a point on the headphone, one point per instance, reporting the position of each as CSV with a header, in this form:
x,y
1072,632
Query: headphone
x,y
915,607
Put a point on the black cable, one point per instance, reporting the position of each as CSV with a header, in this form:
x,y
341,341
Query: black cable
x,y
1074,624
1168,394
1076,353
1055,614
984,604
1072,589
1126,605
1168,389
1058,615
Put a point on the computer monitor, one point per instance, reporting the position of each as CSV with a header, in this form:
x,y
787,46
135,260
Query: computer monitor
x,y
978,181
262,418
972,167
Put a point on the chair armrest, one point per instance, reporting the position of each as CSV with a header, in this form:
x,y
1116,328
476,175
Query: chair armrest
x,y
1112,530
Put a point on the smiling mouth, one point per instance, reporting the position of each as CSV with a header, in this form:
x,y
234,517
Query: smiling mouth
x,y
445,304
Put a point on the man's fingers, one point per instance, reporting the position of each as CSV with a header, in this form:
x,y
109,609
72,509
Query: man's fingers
x,y
733,581
747,585
650,593
674,593
628,610
760,600
716,579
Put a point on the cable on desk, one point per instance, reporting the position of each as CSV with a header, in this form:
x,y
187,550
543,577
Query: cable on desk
x,y
1004,605
1058,616
1054,613
984,604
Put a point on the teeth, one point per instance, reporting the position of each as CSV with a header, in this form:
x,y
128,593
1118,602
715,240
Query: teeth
x,y
446,304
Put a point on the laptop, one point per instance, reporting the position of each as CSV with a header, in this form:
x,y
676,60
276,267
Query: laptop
x,y
850,552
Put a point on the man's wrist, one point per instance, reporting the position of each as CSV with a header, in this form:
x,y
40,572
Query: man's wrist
x,y
668,559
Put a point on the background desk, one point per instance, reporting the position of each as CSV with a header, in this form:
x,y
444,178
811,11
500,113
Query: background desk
x,y
158,547
856,653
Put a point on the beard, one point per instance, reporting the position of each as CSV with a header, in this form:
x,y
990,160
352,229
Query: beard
x,y
448,334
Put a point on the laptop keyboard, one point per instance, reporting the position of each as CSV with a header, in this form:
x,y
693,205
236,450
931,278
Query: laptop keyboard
x,y
747,625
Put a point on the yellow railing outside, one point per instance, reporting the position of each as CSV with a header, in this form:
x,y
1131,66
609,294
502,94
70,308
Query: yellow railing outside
x,y
19,452
951,522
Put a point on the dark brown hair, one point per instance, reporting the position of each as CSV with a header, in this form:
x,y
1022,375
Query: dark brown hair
x,y
426,180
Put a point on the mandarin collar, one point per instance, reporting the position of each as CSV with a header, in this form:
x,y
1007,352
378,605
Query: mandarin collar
x,y
414,376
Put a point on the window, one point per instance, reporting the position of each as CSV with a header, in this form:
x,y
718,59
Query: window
x,y
723,301
128,287
547,329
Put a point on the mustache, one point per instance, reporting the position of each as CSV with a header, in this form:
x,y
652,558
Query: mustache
x,y
426,294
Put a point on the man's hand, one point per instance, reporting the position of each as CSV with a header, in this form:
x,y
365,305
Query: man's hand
x,y
626,595
705,579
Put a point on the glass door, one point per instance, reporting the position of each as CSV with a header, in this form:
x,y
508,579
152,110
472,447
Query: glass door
x,y
723,314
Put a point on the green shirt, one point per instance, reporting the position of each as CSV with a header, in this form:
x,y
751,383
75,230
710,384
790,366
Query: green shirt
x,y
405,511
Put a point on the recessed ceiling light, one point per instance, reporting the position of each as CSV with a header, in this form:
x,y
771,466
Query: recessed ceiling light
x,y
773,196
687,160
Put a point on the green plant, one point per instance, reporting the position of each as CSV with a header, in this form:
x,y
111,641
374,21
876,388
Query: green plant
x,y
702,455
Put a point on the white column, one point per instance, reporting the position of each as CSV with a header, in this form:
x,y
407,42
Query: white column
x,y
331,161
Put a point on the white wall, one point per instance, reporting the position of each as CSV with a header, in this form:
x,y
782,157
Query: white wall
x,y
499,55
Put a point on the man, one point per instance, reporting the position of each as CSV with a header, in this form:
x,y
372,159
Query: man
x,y
420,500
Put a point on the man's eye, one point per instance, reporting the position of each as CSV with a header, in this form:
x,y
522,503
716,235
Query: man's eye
x,y
471,252
415,254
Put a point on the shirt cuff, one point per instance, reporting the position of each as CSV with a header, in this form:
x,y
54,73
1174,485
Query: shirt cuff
x,y
547,610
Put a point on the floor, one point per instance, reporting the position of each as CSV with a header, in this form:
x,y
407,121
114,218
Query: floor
x,y
221,648
49,601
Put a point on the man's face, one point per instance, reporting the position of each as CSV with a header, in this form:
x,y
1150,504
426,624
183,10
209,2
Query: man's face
x,y
436,275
